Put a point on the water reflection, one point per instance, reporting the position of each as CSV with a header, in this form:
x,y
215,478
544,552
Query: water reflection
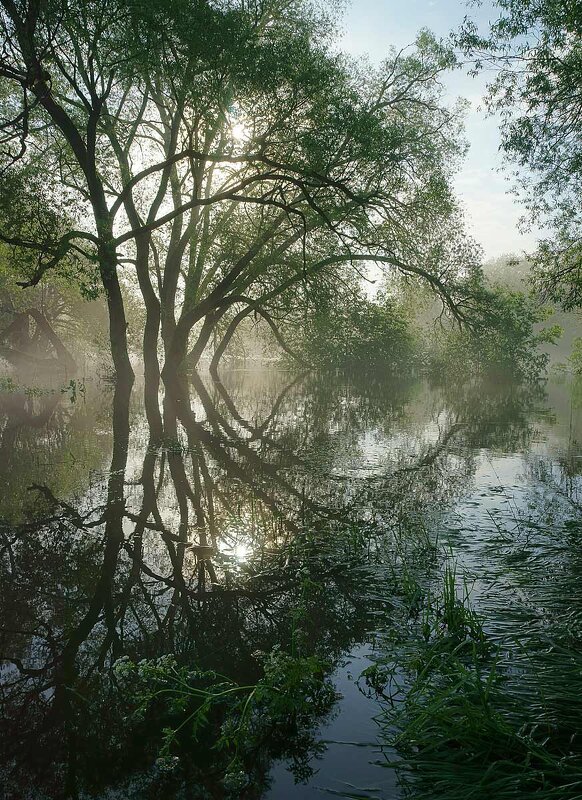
x,y
201,545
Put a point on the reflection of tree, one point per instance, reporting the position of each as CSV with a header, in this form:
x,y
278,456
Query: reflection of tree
x,y
43,432
204,555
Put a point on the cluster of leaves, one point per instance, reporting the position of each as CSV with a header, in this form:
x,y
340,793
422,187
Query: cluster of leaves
x,y
505,336
535,49
576,356
32,213
356,332
244,723
505,339
181,722
502,331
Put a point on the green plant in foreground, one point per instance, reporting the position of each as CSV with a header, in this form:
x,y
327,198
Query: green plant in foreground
x,y
471,722
273,715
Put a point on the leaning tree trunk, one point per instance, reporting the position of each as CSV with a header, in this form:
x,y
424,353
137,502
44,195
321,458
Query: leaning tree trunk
x,y
208,328
225,341
117,321
45,328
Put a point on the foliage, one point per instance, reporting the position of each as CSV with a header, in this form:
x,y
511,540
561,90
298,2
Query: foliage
x,y
35,211
240,720
196,712
576,356
536,50
357,332
79,320
504,332
465,726
263,165
505,340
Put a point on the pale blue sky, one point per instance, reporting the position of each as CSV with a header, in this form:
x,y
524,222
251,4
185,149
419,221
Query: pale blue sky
x,y
371,27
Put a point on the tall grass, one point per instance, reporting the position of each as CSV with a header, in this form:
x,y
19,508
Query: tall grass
x,y
480,717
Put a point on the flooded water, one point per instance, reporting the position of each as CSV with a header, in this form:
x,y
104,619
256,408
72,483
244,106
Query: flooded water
x,y
265,528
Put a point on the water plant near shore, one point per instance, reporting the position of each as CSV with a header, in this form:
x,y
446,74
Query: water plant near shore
x,y
241,722
473,717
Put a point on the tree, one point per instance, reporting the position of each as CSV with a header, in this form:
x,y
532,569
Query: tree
x,y
42,326
536,50
359,173
45,96
227,174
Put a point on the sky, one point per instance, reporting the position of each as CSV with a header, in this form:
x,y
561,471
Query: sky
x,y
371,27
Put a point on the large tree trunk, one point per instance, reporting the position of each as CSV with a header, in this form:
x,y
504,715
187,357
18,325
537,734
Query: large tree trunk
x,y
150,340
117,321
177,356
176,351
152,374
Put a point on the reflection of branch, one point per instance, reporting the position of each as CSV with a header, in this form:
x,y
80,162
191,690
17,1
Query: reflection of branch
x,y
22,415
434,451
257,431
72,514
218,421
19,357
218,447
277,404
195,594
28,671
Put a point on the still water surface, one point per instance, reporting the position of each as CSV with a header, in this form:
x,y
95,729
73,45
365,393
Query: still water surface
x,y
116,546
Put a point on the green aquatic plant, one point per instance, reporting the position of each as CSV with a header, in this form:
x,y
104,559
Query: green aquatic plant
x,y
75,388
8,384
472,719
202,716
273,714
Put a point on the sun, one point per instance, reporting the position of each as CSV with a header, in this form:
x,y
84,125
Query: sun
x,y
240,132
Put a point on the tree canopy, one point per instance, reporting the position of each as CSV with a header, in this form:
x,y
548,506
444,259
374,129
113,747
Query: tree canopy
x,y
223,158
536,51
